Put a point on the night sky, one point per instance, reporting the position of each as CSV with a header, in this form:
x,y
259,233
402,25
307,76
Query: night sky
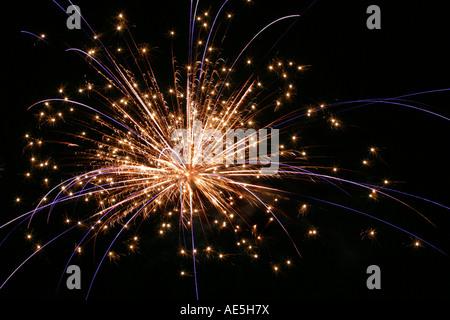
x,y
346,62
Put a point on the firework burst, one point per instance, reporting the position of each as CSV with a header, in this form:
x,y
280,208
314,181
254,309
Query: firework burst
x,y
137,148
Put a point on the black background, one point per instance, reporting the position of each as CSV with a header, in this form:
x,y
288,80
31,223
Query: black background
x,y
347,62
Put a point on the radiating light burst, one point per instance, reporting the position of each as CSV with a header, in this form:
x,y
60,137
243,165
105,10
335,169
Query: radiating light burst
x,y
115,135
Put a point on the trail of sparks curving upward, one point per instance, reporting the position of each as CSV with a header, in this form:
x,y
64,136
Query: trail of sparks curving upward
x,y
127,156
